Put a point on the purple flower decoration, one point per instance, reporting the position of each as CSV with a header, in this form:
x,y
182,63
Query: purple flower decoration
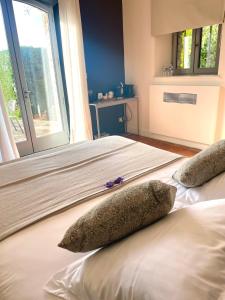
x,y
119,180
110,184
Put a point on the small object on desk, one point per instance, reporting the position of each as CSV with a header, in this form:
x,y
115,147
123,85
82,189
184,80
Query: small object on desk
x,y
129,90
110,94
105,97
100,96
119,91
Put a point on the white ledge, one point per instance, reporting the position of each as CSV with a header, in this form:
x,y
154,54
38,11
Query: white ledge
x,y
198,80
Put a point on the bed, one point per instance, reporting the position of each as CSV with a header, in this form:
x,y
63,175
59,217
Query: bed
x,y
29,255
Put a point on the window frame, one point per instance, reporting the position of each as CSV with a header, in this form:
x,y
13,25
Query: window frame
x,y
33,143
195,55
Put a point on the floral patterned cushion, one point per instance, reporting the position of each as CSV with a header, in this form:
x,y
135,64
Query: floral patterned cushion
x,y
120,215
202,167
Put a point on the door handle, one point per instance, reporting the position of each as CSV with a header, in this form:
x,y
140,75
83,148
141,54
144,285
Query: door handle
x,y
26,93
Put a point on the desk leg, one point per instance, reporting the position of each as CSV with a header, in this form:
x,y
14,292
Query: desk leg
x,y
125,117
97,121
138,124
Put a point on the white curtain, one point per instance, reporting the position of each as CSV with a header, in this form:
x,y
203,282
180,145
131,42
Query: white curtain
x,y
73,54
176,15
8,149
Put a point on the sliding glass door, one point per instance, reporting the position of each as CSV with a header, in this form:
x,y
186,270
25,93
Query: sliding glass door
x,y
35,100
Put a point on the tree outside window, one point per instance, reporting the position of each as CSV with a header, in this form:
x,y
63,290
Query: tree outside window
x,y
196,51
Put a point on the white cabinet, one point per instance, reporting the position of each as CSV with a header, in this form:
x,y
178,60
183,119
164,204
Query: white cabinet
x,y
199,123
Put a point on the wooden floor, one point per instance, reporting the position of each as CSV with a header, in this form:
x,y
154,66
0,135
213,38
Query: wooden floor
x,y
179,149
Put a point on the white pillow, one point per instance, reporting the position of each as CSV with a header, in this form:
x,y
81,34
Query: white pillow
x,y
179,257
213,189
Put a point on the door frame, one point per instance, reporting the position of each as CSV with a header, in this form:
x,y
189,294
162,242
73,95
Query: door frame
x,y
24,147
33,143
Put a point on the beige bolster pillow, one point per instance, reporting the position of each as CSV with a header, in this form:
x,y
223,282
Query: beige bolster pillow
x,y
203,166
120,215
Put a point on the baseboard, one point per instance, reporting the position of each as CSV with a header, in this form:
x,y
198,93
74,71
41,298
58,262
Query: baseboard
x,y
132,130
173,140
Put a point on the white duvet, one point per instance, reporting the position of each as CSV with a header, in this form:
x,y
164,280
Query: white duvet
x,y
181,257
30,257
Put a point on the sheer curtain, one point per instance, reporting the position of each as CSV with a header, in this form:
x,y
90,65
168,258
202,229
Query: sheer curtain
x,y
73,54
8,149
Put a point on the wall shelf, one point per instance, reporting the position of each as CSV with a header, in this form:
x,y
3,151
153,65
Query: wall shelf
x,y
207,80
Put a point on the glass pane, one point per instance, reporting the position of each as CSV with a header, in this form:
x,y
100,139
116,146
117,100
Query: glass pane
x,y
209,41
35,44
184,49
8,86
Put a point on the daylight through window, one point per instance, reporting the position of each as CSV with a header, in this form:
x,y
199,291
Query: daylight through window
x,y
196,51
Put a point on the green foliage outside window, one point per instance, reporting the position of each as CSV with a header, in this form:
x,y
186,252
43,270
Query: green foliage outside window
x,y
209,42
6,76
196,51
184,49
35,64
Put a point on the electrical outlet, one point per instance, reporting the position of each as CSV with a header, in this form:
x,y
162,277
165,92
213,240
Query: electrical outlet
x,y
120,119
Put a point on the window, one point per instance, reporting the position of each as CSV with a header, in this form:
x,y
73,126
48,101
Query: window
x,y
196,51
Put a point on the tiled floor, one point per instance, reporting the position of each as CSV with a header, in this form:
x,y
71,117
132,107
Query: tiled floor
x,y
42,128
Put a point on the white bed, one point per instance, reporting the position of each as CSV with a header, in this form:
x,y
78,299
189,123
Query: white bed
x,y
30,257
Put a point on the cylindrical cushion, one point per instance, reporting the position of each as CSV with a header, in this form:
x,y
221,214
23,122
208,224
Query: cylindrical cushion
x,y
120,215
203,166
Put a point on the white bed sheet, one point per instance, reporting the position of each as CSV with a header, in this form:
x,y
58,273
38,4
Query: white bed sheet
x,y
179,258
32,189
30,257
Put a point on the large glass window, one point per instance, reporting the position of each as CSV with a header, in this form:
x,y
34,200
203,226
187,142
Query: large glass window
x,y
196,51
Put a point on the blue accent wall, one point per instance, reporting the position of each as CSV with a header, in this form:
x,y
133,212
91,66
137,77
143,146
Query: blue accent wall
x,y
102,25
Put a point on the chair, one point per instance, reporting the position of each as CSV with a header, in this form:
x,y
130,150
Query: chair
x,y
11,105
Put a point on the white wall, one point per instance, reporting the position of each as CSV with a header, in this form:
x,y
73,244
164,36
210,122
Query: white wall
x,y
196,123
163,53
138,53
144,58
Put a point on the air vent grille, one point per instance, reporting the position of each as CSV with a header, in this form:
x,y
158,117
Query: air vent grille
x,y
183,98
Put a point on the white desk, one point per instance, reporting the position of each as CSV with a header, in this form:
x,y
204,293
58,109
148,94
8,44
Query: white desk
x,y
109,103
